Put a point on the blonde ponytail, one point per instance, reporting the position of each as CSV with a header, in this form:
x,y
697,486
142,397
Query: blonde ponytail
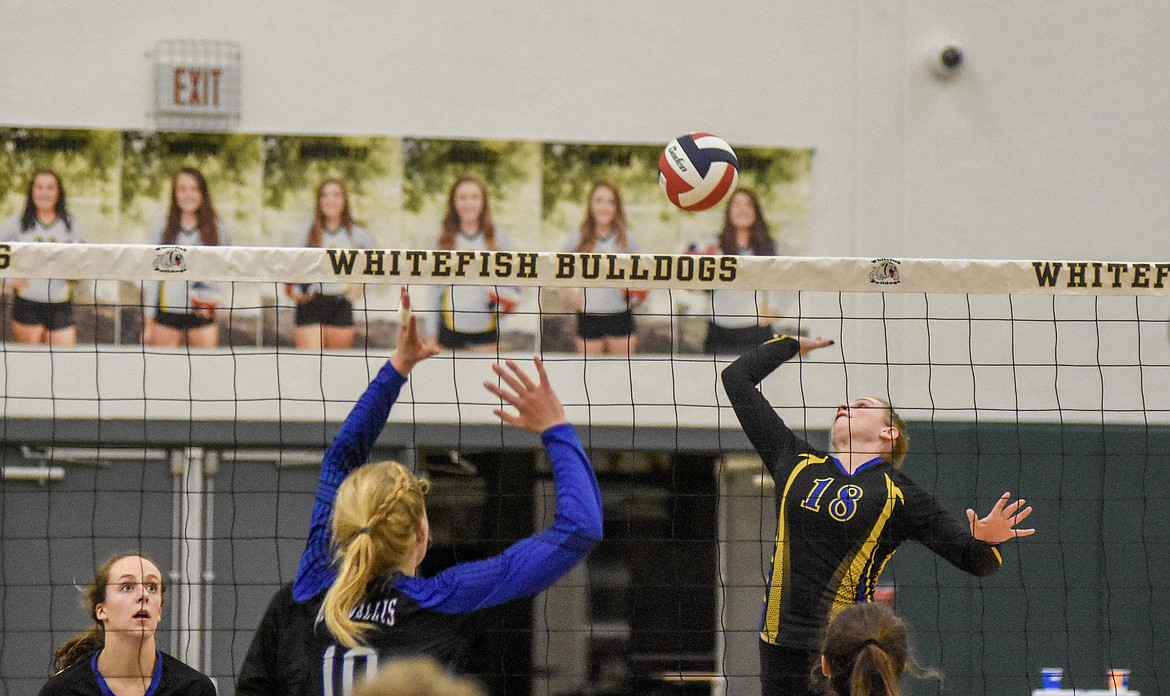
x,y
375,529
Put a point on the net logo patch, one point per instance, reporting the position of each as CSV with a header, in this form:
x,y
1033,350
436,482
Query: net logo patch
x,y
170,259
885,272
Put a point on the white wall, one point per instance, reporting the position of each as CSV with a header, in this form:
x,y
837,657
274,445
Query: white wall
x,y
1049,143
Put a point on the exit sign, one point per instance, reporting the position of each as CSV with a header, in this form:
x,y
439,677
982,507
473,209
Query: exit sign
x,y
196,87
197,84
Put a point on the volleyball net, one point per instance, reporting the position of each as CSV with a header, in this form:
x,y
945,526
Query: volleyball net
x,y
1049,379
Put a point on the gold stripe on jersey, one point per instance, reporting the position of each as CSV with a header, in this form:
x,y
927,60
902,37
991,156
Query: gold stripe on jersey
x,y
449,315
852,570
780,555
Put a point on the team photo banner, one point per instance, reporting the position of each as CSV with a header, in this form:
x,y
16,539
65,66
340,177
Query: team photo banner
x,y
132,262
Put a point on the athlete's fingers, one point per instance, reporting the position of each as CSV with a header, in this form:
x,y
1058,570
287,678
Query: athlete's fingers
x,y
1022,515
540,371
523,381
1011,508
502,394
508,379
521,375
971,519
508,418
1024,532
998,507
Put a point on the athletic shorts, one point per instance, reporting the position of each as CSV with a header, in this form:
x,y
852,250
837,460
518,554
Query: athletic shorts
x,y
724,341
182,321
457,339
594,326
51,315
327,310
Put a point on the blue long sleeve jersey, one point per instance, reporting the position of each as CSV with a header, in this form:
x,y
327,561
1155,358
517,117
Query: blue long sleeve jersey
x,y
412,615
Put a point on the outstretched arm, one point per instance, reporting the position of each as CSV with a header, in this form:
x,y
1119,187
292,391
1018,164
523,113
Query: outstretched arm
x,y
351,448
530,565
973,548
766,430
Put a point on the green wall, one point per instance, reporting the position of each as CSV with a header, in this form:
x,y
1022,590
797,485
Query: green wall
x,y
1086,592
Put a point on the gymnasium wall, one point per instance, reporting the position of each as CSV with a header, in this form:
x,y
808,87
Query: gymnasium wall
x,y
1048,143
1044,144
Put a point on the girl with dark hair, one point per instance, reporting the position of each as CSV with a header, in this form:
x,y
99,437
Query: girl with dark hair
x,y
841,514
358,598
605,316
174,310
865,652
324,316
42,308
737,320
118,654
468,315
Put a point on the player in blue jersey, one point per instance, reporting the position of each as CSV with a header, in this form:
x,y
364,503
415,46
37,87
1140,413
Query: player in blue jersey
x,y
357,599
841,516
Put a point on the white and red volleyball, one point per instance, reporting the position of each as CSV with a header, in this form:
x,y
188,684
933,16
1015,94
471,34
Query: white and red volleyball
x,y
697,171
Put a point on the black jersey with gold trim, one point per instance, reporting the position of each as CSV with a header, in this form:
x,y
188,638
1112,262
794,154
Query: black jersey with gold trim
x,y
835,532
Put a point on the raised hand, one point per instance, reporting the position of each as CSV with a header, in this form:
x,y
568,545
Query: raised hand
x,y
411,349
537,406
807,345
1000,523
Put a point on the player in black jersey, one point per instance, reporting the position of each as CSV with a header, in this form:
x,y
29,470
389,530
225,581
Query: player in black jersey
x,y
841,517
118,654
357,599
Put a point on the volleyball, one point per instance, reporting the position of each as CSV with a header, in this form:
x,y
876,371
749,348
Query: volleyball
x,y
697,171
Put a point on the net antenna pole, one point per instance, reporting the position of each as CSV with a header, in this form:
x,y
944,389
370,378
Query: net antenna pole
x,y
187,468
207,572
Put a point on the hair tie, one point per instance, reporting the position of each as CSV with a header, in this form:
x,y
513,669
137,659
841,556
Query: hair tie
x,y
364,530
868,641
